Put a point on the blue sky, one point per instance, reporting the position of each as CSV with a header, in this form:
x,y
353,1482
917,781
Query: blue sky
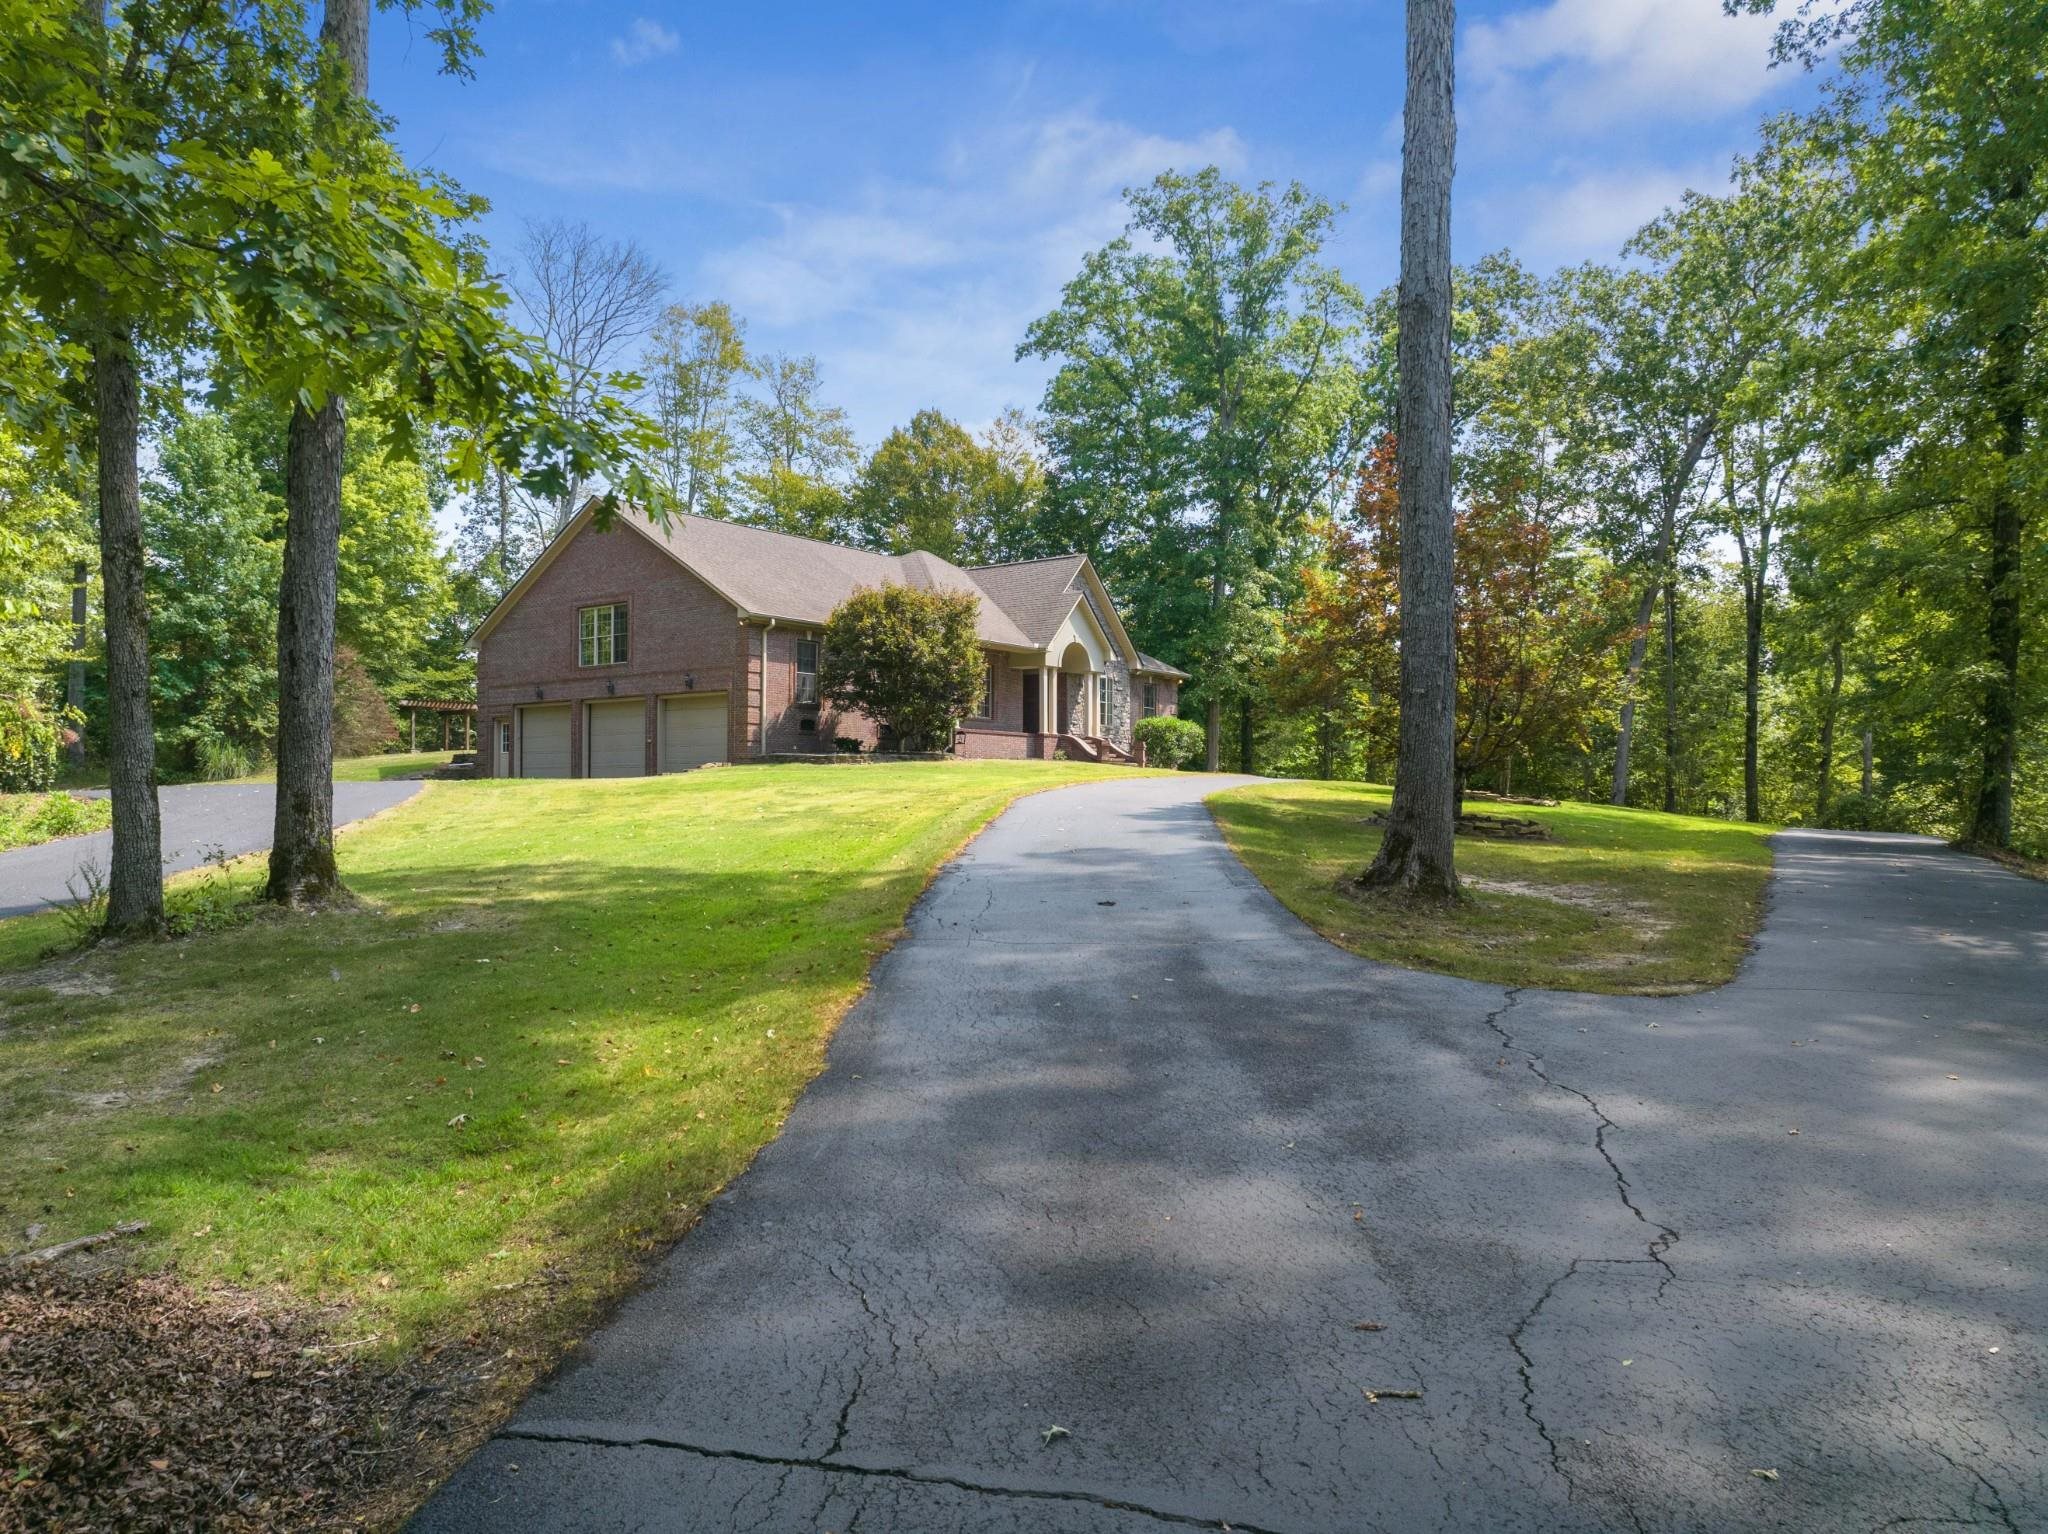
x,y
900,188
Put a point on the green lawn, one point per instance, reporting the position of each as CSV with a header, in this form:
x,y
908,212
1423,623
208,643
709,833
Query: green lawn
x,y
27,820
372,769
565,1014
1619,900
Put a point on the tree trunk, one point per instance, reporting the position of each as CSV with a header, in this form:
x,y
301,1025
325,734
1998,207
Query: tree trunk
x,y
1247,749
302,866
1667,530
1991,823
1825,790
1670,692
1418,851
1752,673
1869,775
135,881
74,673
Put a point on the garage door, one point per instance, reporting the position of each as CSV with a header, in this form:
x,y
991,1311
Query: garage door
x,y
618,739
692,731
544,742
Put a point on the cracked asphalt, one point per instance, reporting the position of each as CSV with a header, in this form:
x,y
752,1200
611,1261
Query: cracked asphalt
x,y
1115,1144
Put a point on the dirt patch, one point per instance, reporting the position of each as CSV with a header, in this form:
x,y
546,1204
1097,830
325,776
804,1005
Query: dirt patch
x,y
1641,919
137,1403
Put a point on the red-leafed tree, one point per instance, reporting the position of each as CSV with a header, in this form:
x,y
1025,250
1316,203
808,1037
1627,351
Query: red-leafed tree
x,y
1535,631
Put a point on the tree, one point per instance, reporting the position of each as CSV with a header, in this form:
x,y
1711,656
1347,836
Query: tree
x,y
1937,126
931,486
1416,854
906,657
589,300
696,357
212,532
1202,384
801,453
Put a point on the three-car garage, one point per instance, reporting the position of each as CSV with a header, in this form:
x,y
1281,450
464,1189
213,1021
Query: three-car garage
x,y
689,731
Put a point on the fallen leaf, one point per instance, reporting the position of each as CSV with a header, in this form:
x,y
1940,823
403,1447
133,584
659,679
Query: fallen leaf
x,y
1765,1475
1053,1432
1393,1395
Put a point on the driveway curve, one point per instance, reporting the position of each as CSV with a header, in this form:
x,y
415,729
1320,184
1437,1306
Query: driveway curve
x,y
1116,1146
199,821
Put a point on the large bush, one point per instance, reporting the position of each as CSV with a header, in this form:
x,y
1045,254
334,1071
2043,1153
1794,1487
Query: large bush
x,y
30,737
1169,741
907,658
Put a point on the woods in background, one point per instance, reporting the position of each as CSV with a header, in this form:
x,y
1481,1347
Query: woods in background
x,y
1747,522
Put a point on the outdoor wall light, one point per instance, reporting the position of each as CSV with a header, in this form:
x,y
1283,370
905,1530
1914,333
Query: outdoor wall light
x,y
689,683
538,694
611,687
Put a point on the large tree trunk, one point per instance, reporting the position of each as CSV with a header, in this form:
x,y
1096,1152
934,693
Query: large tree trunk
x,y
1670,692
1417,853
1825,790
135,881
302,865
1991,822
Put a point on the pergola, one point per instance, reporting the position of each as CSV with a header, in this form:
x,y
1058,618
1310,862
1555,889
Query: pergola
x,y
461,714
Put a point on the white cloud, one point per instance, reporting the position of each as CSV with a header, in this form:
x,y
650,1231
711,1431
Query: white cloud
x,y
916,292
1590,216
645,39
1576,65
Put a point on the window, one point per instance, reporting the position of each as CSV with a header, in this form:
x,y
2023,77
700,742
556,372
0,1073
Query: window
x,y
985,704
1102,702
1151,699
807,671
601,635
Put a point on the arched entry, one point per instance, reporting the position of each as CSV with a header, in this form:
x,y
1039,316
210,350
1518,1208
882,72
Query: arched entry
x,y
1070,710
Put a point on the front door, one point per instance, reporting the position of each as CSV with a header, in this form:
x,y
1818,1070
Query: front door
x,y
504,767
1031,702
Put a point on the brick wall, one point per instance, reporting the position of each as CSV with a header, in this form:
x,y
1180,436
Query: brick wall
x,y
678,631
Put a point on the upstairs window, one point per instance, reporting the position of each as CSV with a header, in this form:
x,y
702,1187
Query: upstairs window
x,y
807,671
601,635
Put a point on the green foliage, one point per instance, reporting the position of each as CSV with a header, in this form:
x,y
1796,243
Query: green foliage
x,y
28,819
1169,741
362,719
907,658
1203,404
30,738
696,358
931,486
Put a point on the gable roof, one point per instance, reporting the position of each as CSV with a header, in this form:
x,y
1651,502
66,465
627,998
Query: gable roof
x,y
1152,666
768,574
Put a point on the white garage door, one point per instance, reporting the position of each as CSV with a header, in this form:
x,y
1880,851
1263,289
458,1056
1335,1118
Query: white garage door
x,y
692,730
618,739
544,742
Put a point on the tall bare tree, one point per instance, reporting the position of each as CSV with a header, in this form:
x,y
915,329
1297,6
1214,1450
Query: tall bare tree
x,y
302,867
1417,853
590,300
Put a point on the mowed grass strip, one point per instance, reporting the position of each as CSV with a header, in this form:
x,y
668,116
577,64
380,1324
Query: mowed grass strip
x,y
1617,900
29,820
564,1015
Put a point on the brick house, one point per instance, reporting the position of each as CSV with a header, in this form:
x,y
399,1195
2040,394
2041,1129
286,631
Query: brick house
x,y
642,649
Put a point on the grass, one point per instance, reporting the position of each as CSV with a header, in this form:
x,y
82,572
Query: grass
x,y
1617,900
27,820
563,1016
371,769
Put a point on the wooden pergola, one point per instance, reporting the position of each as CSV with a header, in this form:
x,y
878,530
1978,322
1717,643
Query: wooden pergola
x,y
452,711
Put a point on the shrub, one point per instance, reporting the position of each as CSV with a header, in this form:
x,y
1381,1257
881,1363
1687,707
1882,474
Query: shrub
x,y
907,658
852,745
1169,741
1866,812
30,738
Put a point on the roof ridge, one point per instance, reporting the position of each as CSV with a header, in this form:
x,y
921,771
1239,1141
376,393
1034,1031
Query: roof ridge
x,y
1011,564
775,532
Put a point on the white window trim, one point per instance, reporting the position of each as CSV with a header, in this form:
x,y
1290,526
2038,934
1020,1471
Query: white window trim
x,y
612,637
985,702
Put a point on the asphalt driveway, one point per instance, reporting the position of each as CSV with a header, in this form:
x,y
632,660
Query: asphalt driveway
x,y
199,819
1115,1145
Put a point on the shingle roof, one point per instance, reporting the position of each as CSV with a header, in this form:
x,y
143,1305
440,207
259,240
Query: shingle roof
x,y
1159,667
1038,594
800,580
